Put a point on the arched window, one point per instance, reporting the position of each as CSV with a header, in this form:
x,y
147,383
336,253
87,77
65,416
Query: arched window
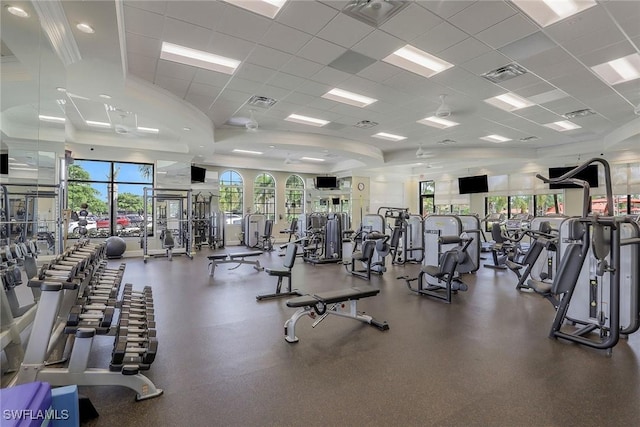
x,y
264,195
294,197
231,191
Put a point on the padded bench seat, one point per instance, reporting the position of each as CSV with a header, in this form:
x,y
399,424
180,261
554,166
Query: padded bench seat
x,y
234,258
328,303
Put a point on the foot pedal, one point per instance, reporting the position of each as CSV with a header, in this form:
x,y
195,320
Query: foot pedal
x,y
130,370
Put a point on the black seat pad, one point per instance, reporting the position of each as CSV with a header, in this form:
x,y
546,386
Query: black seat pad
x,y
234,255
276,272
331,297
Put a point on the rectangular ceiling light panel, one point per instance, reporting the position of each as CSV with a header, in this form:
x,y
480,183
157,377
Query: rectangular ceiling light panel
x,y
96,124
547,12
198,58
147,130
52,119
619,70
268,8
312,159
437,122
417,61
495,138
509,102
563,125
350,98
389,136
296,118
237,150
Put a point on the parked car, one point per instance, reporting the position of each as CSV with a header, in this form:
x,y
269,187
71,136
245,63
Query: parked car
x,y
121,222
74,227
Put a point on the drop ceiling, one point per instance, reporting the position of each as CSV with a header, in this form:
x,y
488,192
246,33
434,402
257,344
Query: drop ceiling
x,y
311,47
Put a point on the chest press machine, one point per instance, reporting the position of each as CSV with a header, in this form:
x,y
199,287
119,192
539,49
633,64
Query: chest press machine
x,y
332,302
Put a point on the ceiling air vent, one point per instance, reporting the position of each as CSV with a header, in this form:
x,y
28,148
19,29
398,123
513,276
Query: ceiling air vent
x,y
528,138
578,113
505,73
446,142
374,12
261,101
364,124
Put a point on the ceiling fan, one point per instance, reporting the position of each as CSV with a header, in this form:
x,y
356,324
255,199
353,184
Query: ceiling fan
x,y
289,160
443,110
422,154
249,123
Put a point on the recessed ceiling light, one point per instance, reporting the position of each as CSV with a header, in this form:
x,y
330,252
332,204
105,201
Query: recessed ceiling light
x,y
198,58
105,96
350,98
272,146
495,138
61,89
52,119
389,136
619,70
268,8
15,10
237,150
297,118
85,28
186,129
563,125
438,122
202,146
509,102
417,61
547,12
313,159
148,130
98,124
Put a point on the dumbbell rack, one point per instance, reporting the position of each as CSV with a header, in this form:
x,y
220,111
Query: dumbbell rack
x,y
78,301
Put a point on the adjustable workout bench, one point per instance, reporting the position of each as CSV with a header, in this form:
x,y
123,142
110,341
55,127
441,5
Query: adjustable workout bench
x,y
326,303
234,258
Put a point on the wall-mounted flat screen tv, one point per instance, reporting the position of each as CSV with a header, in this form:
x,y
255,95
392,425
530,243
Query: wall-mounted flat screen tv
x,y
326,182
590,174
473,184
198,174
4,163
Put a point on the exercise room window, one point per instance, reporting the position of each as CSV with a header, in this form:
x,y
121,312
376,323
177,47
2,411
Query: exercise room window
x,y
231,192
427,197
114,193
495,204
264,196
294,197
549,204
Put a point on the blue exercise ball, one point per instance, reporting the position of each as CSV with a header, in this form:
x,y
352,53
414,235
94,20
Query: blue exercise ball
x,y
115,247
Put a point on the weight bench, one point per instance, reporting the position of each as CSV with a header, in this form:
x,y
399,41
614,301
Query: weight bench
x,y
331,302
234,258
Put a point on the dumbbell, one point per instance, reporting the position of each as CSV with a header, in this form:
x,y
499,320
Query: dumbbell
x,y
102,318
125,351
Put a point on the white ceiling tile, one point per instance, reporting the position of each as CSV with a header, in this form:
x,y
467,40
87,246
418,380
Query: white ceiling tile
x,y
535,89
593,41
528,46
359,85
379,71
321,51
463,51
205,90
141,45
583,86
267,57
254,73
285,38
587,21
142,22
524,80
413,84
205,14
607,54
410,22
299,98
201,102
505,32
274,92
487,62
307,16
344,31
142,66
243,86
378,45
322,104
176,86
148,5
175,70
445,9
211,78
185,34
549,96
301,67
286,81
315,89
565,105
330,76
440,37
229,46
466,83
243,24
234,95
537,114
481,16
630,25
